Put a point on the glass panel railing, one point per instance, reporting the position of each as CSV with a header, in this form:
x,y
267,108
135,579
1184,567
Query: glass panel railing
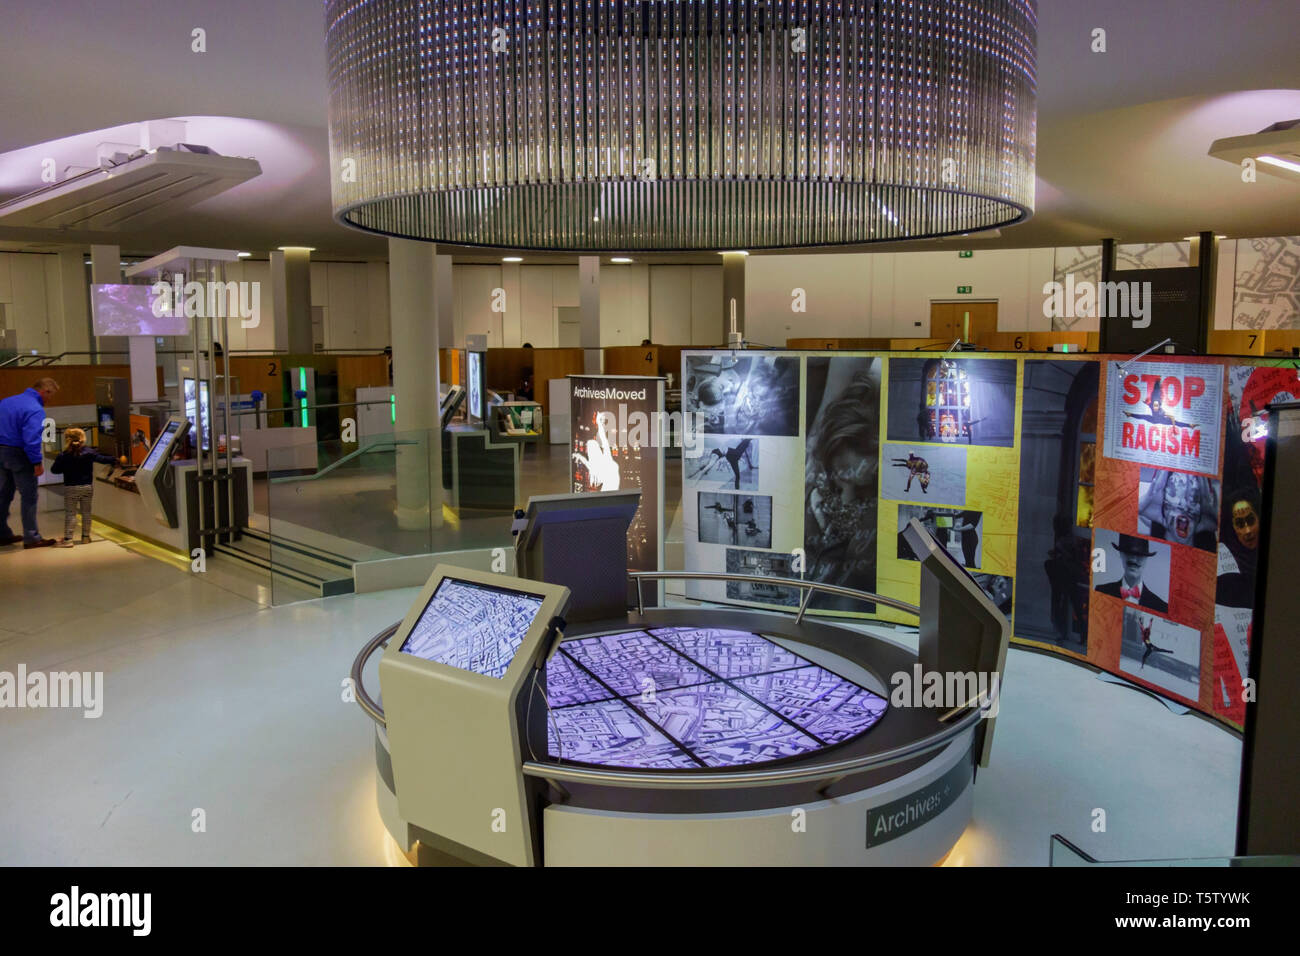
x,y
1063,853
325,508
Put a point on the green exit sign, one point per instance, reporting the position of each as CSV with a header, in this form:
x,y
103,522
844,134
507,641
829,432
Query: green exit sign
x,y
963,290
966,254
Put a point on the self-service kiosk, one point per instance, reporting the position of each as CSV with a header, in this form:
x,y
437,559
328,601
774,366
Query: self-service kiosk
x,y
156,479
460,682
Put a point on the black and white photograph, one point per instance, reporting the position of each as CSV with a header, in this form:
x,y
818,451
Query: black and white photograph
x,y
749,395
1053,533
1161,652
953,401
761,564
998,588
735,519
1135,570
924,473
960,531
841,476
725,463
1179,507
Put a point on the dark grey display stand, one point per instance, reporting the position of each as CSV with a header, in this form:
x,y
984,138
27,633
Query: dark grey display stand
x,y
1267,821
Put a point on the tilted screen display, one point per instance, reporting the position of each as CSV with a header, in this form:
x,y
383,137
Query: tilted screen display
x,y
473,627
691,697
159,448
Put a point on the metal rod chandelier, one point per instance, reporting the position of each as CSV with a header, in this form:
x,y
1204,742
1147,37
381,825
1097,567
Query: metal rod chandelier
x,y
614,125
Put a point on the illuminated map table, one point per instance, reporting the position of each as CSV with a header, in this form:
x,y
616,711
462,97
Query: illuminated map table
x,y
692,697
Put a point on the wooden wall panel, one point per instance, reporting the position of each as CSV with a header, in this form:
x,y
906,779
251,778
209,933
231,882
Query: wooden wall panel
x,y
631,360
76,382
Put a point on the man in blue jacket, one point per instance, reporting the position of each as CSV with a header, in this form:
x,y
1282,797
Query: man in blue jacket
x,y
22,418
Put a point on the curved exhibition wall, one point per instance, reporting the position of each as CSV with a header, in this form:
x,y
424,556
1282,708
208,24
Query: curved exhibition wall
x,y
1109,507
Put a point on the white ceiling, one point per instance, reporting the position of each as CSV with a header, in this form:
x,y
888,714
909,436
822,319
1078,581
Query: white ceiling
x,y
1122,142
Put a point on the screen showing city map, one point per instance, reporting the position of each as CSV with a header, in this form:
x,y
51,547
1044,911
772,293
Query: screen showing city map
x,y
675,698
473,627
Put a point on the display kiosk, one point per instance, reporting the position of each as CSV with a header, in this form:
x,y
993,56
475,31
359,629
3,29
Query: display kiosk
x,y
461,682
156,479
679,736
579,541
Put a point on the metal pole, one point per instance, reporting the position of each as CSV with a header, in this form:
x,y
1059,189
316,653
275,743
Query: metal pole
x,y
198,420
225,385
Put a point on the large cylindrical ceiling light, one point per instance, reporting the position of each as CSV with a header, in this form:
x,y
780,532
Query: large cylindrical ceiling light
x,y
646,124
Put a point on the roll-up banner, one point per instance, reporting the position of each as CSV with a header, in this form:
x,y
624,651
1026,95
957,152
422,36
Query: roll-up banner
x,y
618,435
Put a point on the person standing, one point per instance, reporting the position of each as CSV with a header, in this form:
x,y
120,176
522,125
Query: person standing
x,y
22,418
76,463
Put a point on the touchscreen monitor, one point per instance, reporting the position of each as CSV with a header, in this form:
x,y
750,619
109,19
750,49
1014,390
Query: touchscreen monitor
x,y
473,627
159,449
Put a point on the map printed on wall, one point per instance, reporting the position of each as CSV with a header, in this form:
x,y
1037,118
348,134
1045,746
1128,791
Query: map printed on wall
x,y
1267,289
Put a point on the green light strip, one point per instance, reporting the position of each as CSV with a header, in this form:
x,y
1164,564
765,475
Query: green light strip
x,y
302,384
392,403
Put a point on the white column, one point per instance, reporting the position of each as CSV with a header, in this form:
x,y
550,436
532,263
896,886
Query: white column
x,y
733,289
413,305
589,313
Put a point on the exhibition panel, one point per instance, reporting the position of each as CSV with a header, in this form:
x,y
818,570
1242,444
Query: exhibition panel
x,y
1108,506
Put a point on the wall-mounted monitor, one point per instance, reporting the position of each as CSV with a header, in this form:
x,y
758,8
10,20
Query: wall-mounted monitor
x,y
121,309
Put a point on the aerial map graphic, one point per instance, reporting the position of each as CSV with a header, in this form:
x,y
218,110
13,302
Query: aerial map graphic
x,y
691,698
473,628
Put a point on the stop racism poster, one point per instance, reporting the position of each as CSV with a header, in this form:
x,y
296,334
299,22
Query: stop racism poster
x,y
1165,414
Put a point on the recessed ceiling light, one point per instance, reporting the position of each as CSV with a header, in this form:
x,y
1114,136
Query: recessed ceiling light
x,y
296,248
621,261
243,255
513,259
734,252
1280,163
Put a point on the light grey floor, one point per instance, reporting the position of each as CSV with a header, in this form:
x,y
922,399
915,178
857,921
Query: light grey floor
x,y
215,701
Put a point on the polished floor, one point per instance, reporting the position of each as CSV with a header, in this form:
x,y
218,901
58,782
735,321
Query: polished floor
x,y
217,702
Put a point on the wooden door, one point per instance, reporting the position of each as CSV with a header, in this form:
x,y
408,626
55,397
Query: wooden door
x,y
948,320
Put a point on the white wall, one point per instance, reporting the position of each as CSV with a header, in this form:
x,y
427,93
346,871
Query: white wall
x,y
888,295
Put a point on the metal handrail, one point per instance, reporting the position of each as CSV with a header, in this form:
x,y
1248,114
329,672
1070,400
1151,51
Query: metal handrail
x,y
364,700
373,446
867,597
814,773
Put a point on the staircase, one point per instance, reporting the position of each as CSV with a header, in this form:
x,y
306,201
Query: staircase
x,y
298,566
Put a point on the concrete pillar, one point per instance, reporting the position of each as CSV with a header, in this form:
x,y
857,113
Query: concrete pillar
x,y
589,313
413,306
291,293
70,328
733,288
445,291
106,266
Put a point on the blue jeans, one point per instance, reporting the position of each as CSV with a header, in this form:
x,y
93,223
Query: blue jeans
x,y
16,472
